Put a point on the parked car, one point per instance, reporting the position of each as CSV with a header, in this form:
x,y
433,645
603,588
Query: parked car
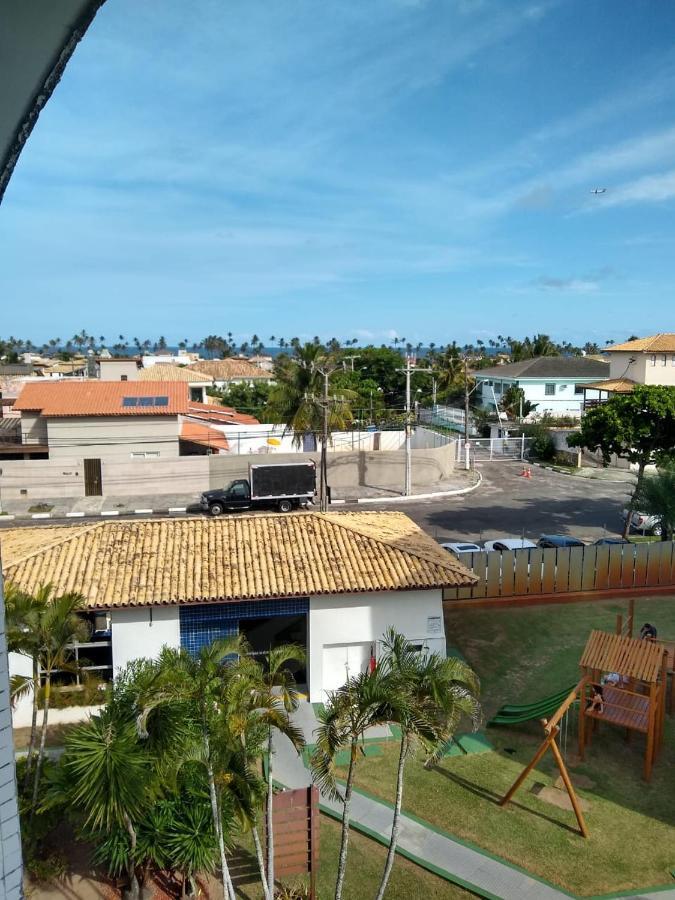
x,y
610,540
508,543
559,540
640,521
460,548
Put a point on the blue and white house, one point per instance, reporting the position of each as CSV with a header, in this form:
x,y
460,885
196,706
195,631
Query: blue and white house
x,y
555,383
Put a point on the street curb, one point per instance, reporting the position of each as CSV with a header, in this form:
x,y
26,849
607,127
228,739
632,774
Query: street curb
x,y
182,510
578,477
430,496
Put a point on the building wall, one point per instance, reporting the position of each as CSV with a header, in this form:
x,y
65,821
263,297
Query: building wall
x,y
363,618
33,428
140,633
565,401
10,837
113,438
115,369
659,368
124,476
620,366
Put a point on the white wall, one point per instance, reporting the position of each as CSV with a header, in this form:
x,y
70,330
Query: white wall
x,y
354,618
565,401
141,632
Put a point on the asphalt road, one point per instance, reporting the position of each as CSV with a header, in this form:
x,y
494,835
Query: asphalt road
x,y
505,504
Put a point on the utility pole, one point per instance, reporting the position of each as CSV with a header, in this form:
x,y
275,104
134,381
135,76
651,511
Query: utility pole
x,y
324,402
409,367
467,448
351,359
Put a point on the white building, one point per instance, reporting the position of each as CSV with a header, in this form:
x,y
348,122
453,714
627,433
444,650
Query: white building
x,y
644,361
555,383
333,582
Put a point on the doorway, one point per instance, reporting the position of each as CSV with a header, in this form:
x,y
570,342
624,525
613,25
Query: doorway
x,y
93,481
266,633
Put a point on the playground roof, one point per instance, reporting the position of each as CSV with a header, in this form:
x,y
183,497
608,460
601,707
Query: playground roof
x,y
630,657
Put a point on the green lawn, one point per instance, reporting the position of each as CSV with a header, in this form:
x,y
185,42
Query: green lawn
x,y
364,870
523,654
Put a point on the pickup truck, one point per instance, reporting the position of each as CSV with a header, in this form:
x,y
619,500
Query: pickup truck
x,y
643,522
284,487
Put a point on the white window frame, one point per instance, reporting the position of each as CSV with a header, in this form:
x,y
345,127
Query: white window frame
x,y
664,361
652,360
145,454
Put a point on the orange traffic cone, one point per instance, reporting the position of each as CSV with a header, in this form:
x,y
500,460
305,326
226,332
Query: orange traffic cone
x,y
524,474
528,472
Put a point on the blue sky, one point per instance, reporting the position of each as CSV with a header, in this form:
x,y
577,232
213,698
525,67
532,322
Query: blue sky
x,y
357,169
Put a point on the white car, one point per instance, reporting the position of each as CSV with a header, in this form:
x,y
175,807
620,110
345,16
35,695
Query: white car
x,y
508,543
461,548
643,522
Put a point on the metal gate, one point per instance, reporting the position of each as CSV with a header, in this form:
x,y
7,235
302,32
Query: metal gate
x,y
495,449
93,481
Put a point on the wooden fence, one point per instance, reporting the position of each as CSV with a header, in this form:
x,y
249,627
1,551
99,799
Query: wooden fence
x,y
527,573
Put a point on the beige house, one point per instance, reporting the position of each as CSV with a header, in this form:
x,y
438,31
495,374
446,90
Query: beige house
x,y
649,360
224,372
196,381
119,368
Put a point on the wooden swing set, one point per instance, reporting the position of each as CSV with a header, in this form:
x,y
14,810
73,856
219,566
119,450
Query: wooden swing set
x,y
635,699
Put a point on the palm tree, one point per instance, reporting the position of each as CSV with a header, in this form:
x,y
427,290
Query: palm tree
x,y
58,627
23,616
364,701
198,683
433,693
297,397
282,700
112,778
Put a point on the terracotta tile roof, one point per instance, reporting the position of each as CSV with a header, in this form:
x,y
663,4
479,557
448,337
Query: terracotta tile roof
x,y
168,372
613,385
196,433
655,343
226,369
231,558
103,398
223,415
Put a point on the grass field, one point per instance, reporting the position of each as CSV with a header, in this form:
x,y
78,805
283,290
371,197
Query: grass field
x,y
521,655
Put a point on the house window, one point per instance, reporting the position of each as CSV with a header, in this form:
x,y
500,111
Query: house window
x,y
498,387
672,360
145,454
578,389
124,377
664,360
652,359
549,390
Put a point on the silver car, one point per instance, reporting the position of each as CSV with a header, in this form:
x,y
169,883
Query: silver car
x,y
640,521
508,543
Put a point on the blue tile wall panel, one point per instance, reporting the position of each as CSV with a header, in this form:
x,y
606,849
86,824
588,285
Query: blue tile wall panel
x,y
200,625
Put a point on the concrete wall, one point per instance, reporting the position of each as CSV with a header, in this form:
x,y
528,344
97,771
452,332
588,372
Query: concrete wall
x,y
10,837
346,469
342,619
33,428
113,438
141,633
122,476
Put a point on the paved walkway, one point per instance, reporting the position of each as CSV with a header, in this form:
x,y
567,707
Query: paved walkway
x,y
480,873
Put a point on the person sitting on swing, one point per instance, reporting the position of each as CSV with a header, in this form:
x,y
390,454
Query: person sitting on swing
x,y
597,703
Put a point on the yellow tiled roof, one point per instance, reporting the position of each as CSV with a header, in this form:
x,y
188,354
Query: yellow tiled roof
x,y
169,372
225,369
169,561
613,385
663,342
